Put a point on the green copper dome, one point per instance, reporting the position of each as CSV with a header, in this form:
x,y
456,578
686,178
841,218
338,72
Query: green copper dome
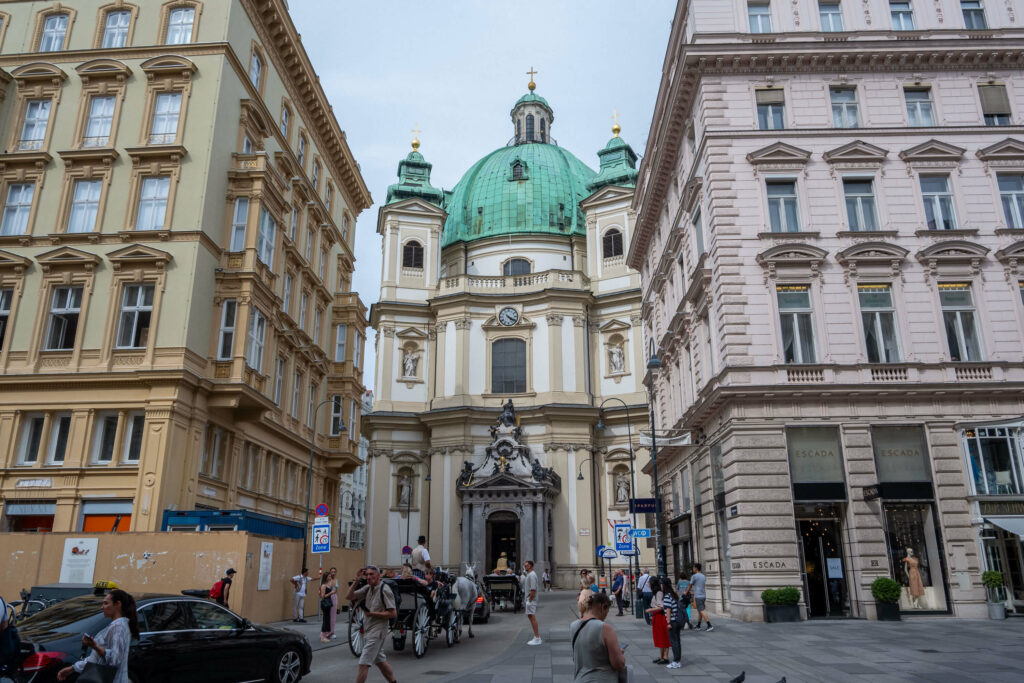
x,y
532,97
541,196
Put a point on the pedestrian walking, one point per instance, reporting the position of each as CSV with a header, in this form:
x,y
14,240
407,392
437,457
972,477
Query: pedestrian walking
x,y
299,582
597,656
546,578
109,648
221,590
328,595
698,584
532,588
420,559
643,584
586,591
685,592
659,625
334,603
618,586
673,609
379,602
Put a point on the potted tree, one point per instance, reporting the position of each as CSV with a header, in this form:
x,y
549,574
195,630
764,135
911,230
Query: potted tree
x,y
993,582
780,604
887,598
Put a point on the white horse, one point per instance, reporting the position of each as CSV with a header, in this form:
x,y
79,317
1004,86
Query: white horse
x,y
464,598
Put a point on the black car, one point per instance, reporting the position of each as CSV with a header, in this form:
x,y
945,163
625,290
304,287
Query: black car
x,y
182,639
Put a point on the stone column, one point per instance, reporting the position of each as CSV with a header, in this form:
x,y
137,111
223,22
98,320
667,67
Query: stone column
x,y
554,321
539,539
439,353
526,542
467,529
479,540
386,358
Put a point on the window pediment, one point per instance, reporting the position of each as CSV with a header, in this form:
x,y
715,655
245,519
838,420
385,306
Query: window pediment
x,y
877,258
89,156
38,72
67,258
856,152
933,150
1012,258
692,192
615,326
411,333
13,262
156,154
779,153
172,66
97,69
1005,150
139,254
958,255
803,258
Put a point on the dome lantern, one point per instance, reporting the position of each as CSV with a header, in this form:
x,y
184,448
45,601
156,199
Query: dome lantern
x,y
532,116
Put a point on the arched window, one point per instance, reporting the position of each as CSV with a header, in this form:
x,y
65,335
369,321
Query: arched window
x,y
519,130
508,366
612,243
543,130
516,266
517,171
529,127
412,255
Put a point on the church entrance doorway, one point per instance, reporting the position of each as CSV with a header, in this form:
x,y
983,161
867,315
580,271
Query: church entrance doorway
x,y
503,537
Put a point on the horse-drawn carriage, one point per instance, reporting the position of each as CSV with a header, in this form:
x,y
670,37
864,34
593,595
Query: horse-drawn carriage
x,y
504,590
419,614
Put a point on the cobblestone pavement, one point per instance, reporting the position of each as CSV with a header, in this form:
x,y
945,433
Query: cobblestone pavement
x,y
940,649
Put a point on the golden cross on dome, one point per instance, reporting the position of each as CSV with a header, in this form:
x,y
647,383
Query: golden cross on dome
x,y
615,123
531,73
415,136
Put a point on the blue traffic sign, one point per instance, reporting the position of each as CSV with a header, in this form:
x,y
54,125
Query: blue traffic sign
x,y
644,505
600,548
640,533
609,554
622,539
321,538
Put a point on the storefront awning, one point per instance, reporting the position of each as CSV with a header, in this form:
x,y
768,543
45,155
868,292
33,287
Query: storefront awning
x,y
1015,525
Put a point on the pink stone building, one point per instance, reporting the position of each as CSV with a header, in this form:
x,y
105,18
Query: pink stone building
x,y
830,236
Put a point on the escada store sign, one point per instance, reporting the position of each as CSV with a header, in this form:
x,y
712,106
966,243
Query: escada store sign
x,y
768,564
996,508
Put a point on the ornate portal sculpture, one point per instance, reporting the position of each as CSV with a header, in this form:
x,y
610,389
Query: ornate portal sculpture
x,y
621,488
616,358
403,489
409,363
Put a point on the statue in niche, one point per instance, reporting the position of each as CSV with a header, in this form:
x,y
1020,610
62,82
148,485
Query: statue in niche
x,y
508,414
621,488
616,358
409,363
404,489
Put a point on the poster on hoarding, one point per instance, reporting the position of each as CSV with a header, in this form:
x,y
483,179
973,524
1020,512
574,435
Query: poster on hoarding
x,y
78,563
266,560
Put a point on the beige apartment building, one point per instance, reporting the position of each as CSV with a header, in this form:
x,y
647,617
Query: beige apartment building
x,y
830,234
176,256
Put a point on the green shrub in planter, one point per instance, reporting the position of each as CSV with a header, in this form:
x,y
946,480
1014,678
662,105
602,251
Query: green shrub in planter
x,y
770,596
886,590
780,604
992,581
787,595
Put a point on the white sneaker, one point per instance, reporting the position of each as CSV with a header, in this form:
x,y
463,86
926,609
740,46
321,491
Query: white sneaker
x,y
535,641
674,665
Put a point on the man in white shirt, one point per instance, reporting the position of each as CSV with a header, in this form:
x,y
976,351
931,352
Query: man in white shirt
x,y
420,560
532,587
643,584
299,582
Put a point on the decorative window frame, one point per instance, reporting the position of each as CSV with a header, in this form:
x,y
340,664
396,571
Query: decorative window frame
x,y
133,265
1005,156
5,18
166,74
303,134
85,164
164,160
413,340
519,258
872,261
618,259
42,15
23,168
101,22
494,331
510,174
253,122
1011,256
789,261
165,19
12,275
256,49
286,105
819,330
61,267
35,81
953,259
100,77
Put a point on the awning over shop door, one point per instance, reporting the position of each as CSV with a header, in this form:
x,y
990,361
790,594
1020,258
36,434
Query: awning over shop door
x,y
1015,525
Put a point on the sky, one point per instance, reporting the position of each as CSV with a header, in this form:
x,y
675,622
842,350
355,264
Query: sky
x,y
454,68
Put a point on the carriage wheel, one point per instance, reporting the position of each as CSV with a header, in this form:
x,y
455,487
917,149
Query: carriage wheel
x,y
458,625
421,631
356,622
451,633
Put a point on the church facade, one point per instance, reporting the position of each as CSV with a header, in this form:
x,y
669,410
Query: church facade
x,y
509,393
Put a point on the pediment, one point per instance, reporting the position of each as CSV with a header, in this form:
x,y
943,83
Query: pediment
x,y
872,251
792,253
406,458
9,261
502,480
1004,150
933,150
1014,251
606,194
251,111
411,333
67,256
617,456
691,193
779,153
169,64
953,250
416,205
103,68
615,326
39,71
138,253
857,151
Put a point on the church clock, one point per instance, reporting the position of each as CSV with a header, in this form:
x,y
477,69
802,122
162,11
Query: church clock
x,y
508,316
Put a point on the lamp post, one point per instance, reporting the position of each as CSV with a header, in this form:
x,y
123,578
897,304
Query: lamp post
x,y
654,367
637,609
426,503
593,507
309,475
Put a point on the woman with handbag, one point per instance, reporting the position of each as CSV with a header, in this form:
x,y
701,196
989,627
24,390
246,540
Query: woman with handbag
x,y
108,660
659,625
328,588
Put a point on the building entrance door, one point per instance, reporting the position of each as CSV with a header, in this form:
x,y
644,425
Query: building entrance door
x,y
503,537
824,570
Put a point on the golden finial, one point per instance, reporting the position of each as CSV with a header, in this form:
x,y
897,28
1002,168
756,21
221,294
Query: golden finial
x,y
616,128
415,137
531,85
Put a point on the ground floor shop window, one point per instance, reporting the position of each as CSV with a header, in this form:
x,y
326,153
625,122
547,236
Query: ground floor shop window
x,y
995,460
1004,553
914,555
821,553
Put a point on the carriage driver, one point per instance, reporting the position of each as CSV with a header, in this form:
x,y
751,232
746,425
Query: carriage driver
x,y
420,558
379,602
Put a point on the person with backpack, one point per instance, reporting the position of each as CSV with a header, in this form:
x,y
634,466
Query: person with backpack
x,y
222,589
675,613
596,654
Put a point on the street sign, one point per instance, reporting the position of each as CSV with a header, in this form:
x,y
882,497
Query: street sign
x,y
609,554
321,510
600,548
322,520
641,505
622,539
406,550
630,553
321,538
640,533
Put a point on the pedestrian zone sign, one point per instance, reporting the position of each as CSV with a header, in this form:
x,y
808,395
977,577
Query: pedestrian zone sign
x,y
640,533
321,538
609,554
622,537
630,553
600,548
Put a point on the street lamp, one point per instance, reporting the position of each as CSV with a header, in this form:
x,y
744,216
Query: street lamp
x,y
653,368
637,608
309,475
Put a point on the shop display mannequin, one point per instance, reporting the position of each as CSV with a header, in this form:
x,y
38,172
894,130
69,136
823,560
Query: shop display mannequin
x,y
915,587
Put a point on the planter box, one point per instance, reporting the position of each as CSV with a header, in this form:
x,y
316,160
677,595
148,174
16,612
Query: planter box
x,y
888,611
996,610
774,614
